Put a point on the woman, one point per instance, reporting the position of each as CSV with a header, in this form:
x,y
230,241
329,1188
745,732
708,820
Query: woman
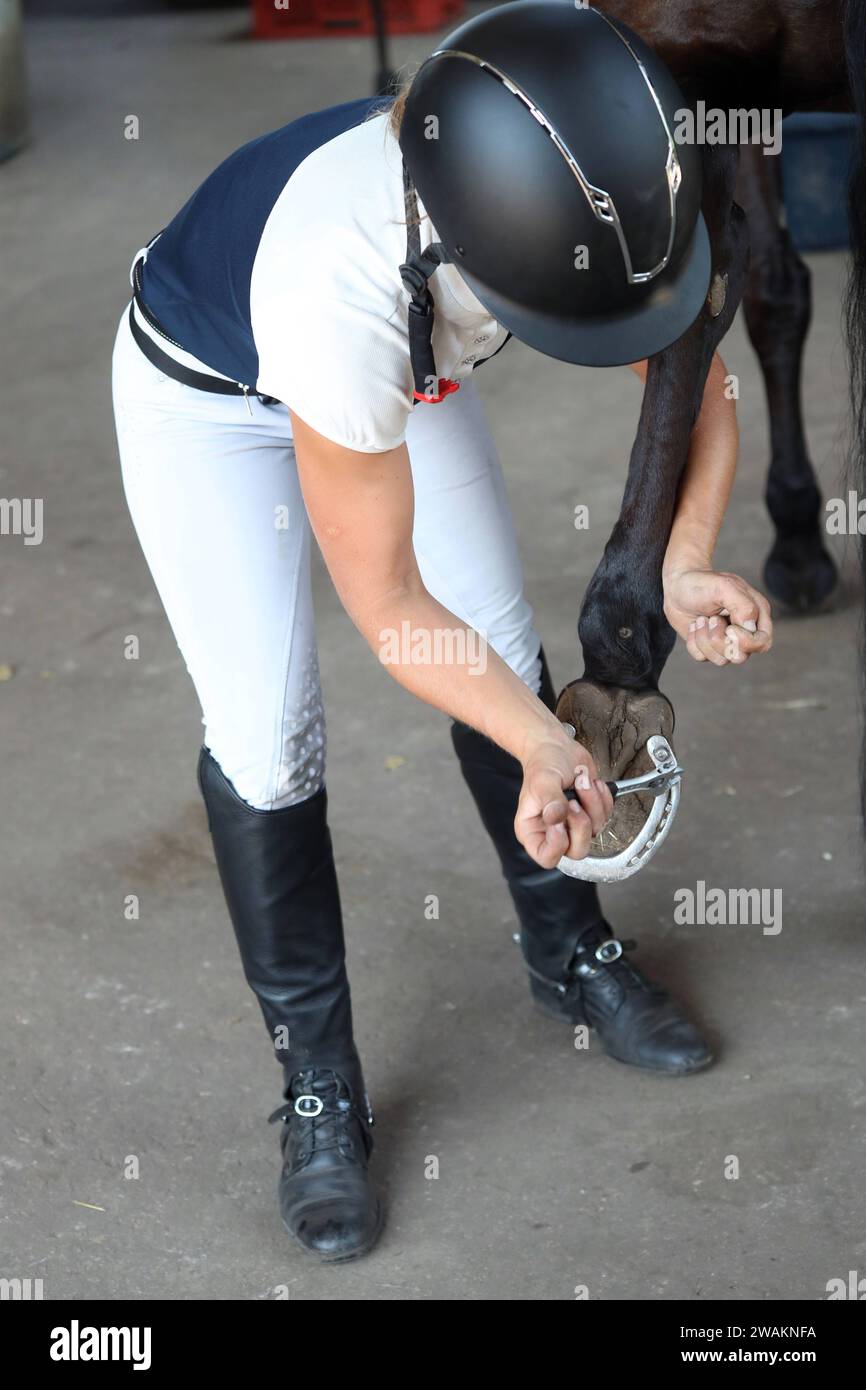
x,y
297,358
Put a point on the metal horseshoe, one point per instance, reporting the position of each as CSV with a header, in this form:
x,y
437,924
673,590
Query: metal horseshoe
x,y
664,785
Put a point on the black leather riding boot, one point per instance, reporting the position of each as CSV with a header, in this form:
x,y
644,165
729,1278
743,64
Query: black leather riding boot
x,y
561,921
280,884
638,1022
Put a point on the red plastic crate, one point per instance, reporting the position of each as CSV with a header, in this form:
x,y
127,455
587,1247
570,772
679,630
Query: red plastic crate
x,y
316,19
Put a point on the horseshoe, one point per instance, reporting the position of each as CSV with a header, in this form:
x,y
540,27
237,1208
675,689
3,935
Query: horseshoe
x,y
664,786
615,720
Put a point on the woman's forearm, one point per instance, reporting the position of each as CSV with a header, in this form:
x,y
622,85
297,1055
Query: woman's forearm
x,y
361,508
450,666
707,479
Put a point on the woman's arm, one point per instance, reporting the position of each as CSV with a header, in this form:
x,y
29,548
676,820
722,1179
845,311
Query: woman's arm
x,y
697,597
361,508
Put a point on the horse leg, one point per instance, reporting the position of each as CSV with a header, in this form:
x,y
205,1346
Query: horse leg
x,y
799,572
625,636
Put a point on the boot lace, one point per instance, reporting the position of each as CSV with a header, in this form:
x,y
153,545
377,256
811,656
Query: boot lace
x,y
318,1110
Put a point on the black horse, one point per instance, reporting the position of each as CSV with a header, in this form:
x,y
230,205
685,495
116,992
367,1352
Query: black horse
x,y
788,54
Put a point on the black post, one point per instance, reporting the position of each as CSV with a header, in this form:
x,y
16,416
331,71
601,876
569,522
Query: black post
x,y
386,79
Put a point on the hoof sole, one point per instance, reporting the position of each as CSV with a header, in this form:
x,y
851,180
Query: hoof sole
x,y
614,724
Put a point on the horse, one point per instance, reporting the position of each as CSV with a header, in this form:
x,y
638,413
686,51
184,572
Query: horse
x,y
791,55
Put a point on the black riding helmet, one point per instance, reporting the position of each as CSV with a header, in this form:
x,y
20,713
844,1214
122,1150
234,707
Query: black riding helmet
x,y
539,136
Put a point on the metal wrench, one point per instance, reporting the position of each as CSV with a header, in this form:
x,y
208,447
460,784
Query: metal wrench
x,y
667,774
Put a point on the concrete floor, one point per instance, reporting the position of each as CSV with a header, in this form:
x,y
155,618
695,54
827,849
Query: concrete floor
x,y
140,1038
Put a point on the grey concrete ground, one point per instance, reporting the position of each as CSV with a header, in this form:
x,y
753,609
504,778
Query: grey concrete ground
x,y
557,1168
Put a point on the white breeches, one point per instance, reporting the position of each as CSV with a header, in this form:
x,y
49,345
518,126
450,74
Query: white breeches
x,y
214,496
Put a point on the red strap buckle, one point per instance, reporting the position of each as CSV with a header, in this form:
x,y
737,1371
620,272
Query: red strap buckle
x,y
446,386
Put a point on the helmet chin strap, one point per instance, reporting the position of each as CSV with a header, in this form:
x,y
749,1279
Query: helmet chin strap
x,y
415,273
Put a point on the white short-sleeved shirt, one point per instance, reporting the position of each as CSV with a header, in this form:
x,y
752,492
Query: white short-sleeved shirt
x,y
282,273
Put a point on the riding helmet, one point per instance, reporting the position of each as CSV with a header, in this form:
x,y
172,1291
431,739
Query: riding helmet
x,y
539,137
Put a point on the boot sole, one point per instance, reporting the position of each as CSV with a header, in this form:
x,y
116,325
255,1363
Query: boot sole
x,y
663,1071
355,1254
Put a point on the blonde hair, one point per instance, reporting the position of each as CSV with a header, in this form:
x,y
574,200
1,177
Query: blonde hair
x,y
395,122
398,110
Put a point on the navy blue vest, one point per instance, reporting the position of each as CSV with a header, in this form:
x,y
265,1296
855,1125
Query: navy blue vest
x,y
196,281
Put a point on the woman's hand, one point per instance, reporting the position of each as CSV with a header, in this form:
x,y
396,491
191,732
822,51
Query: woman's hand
x,y
547,824
720,617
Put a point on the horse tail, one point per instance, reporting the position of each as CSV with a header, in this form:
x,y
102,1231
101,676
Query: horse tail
x,y
855,295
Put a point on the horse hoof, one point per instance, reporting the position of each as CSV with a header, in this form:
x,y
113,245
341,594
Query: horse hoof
x,y
614,725
803,583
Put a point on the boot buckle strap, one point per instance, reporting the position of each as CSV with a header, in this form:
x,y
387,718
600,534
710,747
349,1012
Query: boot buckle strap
x,y
608,951
308,1106
588,970
605,952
